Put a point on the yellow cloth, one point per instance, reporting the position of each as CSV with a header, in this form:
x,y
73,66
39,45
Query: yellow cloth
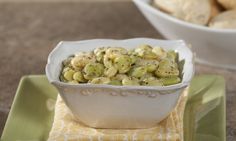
x,y
65,128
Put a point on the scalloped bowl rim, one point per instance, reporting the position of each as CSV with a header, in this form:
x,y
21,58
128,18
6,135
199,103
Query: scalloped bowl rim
x,y
181,85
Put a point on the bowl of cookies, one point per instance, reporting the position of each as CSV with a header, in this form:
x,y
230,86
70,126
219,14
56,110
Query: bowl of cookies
x,y
208,25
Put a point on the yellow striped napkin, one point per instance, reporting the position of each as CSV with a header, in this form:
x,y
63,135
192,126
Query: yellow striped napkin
x,y
66,128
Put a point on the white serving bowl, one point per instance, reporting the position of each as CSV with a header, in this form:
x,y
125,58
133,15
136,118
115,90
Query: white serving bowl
x,y
107,106
213,46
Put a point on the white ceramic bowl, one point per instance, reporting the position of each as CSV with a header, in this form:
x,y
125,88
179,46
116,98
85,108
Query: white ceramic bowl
x,y
212,46
107,106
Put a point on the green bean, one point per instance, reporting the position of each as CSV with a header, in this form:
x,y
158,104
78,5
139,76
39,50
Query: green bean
x,y
110,72
78,62
172,55
130,52
147,76
66,69
134,58
107,61
151,65
160,52
100,49
78,76
170,80
167,68
68,75
145,51
115,82
130,81
101,80
99,53
152,81
122,63
93,70
138,72
114,52
120,77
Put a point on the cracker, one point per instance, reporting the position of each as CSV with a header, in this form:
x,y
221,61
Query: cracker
x,y
169,6
225,20
195,11
228,4
216,8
